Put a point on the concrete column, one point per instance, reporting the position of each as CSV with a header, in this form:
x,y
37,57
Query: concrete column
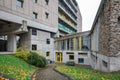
x,y
11,43
74,44
76,57
56,45
80,43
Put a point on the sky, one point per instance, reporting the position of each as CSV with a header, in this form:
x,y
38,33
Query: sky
x,y
88,10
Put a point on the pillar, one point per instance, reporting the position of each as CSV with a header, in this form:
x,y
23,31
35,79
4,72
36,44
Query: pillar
x,y
74,44
80,43
11,43
56,45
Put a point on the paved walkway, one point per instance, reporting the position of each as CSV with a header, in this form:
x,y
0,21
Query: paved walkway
x,y
49,74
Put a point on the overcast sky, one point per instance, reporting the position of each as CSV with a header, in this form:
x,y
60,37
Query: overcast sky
x,y
88,10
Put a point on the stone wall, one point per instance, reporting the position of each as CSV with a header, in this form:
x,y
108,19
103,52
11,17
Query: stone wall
x,y
109,30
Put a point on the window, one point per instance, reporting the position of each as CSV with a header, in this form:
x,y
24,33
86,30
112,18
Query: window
x,y
47,54
35,1
71,57
119,22
34,47
68,43
34,32
47,14
19,3
105,64
81,60
48,41
83,54
34,16
47,1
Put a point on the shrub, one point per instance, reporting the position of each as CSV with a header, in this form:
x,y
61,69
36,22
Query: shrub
x,y
22,53
36,59
70,63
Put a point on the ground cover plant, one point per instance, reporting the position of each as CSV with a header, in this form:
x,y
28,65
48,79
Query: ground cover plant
x,y
15,67
80,73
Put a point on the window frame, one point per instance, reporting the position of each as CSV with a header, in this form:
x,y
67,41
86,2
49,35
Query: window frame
x,y
34,32
34,46
48,54
81,60
46,15
34,1
71,58
35,15
19,3
47,41
47,2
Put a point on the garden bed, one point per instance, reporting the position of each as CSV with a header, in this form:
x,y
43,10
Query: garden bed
x,y
15,68
81,73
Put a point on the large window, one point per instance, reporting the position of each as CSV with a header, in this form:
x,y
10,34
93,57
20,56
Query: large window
x,y
34,32
34,47
19,3
68,43
34,15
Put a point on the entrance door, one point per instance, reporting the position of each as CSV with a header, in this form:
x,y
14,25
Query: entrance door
x,y
59,57
3,45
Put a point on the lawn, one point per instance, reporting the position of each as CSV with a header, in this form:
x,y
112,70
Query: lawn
x,y
80,73
15,68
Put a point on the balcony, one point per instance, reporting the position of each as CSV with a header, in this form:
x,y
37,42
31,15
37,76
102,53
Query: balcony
x,y
64,19
65,29
72,8
67,12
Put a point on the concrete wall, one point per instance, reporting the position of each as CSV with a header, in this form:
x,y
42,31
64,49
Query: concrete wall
x,y
40,40
29,7
105,34
76,56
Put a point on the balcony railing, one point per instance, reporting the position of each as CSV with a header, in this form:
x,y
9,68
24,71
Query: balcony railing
x,y
65,29
67,12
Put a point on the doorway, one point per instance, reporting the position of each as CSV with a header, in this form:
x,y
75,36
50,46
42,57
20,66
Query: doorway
x,y
59,57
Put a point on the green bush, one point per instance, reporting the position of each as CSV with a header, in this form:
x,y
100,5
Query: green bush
x,y
36,60
22,53
70,63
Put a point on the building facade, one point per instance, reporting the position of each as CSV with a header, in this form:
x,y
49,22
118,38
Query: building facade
x,y
69,17
105,37
73,48
32,23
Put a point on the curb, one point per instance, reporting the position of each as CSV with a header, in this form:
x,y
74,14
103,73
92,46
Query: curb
x,y
5,76
32,76
69,78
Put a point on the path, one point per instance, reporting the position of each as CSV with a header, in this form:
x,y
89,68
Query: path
x,y
49,74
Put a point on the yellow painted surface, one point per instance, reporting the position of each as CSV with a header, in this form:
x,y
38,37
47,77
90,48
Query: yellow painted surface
x,y
80,43
74,44
59,57
56,45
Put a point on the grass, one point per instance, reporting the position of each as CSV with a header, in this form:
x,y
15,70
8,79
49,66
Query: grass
x,y
15,68
80,73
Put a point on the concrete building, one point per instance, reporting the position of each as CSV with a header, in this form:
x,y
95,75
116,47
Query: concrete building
x,y
105,37
73,48
35,24
69,19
